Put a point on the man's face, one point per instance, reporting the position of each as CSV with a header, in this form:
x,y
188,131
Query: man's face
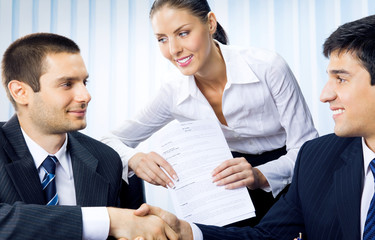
x,y
60,105
350,96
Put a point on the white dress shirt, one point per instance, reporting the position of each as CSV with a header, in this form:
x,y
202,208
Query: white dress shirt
x,y
262,104
95,219
368,184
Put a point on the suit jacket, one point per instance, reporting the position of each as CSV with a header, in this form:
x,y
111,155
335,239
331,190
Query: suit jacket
x,y
97,172
323,201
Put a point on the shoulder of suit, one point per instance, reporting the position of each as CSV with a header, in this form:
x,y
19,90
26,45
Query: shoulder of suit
x,y
331,140
91,143
1,130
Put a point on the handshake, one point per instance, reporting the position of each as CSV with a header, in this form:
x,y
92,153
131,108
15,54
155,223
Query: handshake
x,y
147,223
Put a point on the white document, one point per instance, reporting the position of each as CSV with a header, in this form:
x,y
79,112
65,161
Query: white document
x,y
195,149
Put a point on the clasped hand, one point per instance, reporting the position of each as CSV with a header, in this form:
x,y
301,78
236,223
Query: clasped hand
x,y
124,224
180,227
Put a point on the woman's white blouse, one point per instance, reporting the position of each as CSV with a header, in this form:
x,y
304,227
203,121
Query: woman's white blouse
x,y
262,104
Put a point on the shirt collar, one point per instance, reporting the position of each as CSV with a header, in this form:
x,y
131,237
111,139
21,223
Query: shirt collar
x,y
238,69
39,154
368,156
238,72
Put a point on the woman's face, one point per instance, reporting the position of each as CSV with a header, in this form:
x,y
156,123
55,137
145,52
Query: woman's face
x,y
183,38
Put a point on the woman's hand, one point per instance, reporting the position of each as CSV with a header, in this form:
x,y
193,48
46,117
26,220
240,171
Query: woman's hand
x,y
238,172
148,167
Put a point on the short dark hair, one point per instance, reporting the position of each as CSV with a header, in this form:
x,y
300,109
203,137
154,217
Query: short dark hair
x,y
24,58
358,38
198,8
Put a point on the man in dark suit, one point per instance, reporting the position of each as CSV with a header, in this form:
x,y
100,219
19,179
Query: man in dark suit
x,y
333,183
45,78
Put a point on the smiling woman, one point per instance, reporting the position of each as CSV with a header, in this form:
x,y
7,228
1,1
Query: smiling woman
x,y
251,93
183,38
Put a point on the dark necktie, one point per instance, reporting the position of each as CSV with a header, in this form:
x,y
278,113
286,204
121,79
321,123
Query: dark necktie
x,y
369,231
49,183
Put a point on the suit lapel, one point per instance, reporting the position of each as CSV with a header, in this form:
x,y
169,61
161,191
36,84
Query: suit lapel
x,y
91,188
348,183
21,168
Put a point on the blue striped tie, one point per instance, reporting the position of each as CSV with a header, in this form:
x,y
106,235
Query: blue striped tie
x,y
49,183
369,231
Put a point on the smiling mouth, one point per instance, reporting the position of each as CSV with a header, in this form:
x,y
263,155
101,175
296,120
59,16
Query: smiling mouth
x,y
184,61
78,112
338,111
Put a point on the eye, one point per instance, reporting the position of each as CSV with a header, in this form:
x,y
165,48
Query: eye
x,y
183,34
162,39
85,82
66,84
340,80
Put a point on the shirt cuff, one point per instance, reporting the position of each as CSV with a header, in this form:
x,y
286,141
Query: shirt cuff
x,y
264,171
95,223
197,233
126,172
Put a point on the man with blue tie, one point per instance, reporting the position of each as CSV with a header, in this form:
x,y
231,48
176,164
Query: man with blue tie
x,y
333,184
56,182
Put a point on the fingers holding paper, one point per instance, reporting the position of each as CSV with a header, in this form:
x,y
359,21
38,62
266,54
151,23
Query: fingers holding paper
x,y
182,228
148,167
238,172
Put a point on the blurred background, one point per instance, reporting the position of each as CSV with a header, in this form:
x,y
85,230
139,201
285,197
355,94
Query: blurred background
x,y
125,64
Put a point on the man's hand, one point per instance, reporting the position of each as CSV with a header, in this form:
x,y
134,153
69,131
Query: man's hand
x,y
125,225
147,166
182,228
238,172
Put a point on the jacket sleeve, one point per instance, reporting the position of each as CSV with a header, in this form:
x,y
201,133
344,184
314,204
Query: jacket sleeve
x,y
31,221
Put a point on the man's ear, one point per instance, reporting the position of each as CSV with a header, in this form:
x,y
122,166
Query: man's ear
x,y
19,91
212,23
